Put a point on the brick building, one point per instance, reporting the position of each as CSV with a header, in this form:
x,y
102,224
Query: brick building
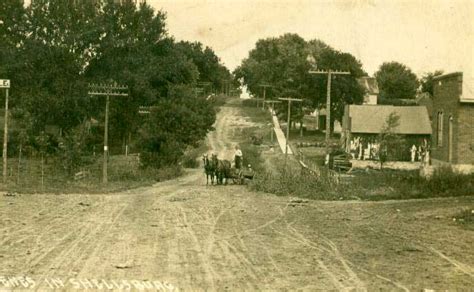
x,y
453,119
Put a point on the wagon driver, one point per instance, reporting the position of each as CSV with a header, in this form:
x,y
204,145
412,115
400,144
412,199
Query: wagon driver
x,y
238,157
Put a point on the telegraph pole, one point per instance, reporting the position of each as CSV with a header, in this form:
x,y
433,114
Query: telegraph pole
x,y
5,83
289,100
272,102
328,100
264,87
111,89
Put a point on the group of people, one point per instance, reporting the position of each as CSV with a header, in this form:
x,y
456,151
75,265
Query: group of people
x,y
363,149
420,153
369,149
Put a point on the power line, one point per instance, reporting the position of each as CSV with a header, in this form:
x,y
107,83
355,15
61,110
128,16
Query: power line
x,y
328,100
111,89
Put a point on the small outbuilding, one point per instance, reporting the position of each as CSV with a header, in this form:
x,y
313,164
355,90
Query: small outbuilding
x,y
365,123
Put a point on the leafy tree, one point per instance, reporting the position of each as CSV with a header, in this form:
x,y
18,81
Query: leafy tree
x,y
174,123
55,48
284,63
396,81
12,22
207,63
389,141
72,149
12,32
427,81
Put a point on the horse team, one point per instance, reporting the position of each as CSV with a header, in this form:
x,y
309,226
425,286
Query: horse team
x,y
217,169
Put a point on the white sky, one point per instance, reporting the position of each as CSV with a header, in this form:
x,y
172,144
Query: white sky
x,y
425,35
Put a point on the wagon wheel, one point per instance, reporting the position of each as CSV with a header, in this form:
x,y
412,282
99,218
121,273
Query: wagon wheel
x,y
241,177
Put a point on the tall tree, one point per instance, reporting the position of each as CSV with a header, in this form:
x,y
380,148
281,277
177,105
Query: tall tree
x,y
284,63
427,81
396,81
12,32
208,64
58,47
177,121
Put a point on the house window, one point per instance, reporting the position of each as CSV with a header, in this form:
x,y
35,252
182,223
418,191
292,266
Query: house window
x,y
440,128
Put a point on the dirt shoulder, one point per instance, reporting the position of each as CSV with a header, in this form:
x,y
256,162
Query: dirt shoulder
x,y
198,237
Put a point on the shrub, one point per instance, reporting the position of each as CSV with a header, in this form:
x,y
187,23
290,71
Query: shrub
x,y
175,123
370,185
295,182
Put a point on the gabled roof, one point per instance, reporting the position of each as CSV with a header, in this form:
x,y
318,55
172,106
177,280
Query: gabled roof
x,y
371,119
370,84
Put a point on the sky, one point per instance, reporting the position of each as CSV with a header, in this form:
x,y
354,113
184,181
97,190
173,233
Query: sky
x,y
425,35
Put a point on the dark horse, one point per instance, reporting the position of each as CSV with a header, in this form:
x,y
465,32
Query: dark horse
x,y
209,168
223,170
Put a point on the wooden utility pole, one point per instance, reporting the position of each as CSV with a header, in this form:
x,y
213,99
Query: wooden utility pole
x,y
264,89
328,100
111,89
289,100
272,102
5,83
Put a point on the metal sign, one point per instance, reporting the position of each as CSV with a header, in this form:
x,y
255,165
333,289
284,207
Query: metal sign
x,y
4,83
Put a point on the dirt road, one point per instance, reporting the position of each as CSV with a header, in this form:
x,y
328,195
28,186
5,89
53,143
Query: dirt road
x,y
186,235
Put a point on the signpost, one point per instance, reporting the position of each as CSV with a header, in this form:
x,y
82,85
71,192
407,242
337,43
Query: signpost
x,y
5,83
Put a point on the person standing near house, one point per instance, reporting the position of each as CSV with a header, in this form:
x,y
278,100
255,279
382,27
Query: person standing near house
x,y
238,157
361,149
413,152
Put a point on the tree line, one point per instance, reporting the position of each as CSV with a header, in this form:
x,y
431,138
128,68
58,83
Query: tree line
x,y
52,49
283,62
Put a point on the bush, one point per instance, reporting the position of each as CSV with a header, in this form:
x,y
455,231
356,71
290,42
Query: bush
x,y
174,124
370,185
192,155
252,157
294,182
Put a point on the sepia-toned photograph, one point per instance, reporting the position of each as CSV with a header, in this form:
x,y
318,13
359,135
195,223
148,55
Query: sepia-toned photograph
x,y
237,145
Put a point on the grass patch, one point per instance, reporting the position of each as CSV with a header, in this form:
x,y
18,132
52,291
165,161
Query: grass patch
x,y
373,185
314,155
123,173
219,100
257,115
251,102
465,218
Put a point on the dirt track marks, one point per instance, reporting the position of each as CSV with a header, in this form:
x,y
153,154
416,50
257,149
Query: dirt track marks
x,y
218,140
200,237
461,266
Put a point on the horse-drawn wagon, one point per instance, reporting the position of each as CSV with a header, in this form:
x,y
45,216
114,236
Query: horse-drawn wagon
x,y
223,171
